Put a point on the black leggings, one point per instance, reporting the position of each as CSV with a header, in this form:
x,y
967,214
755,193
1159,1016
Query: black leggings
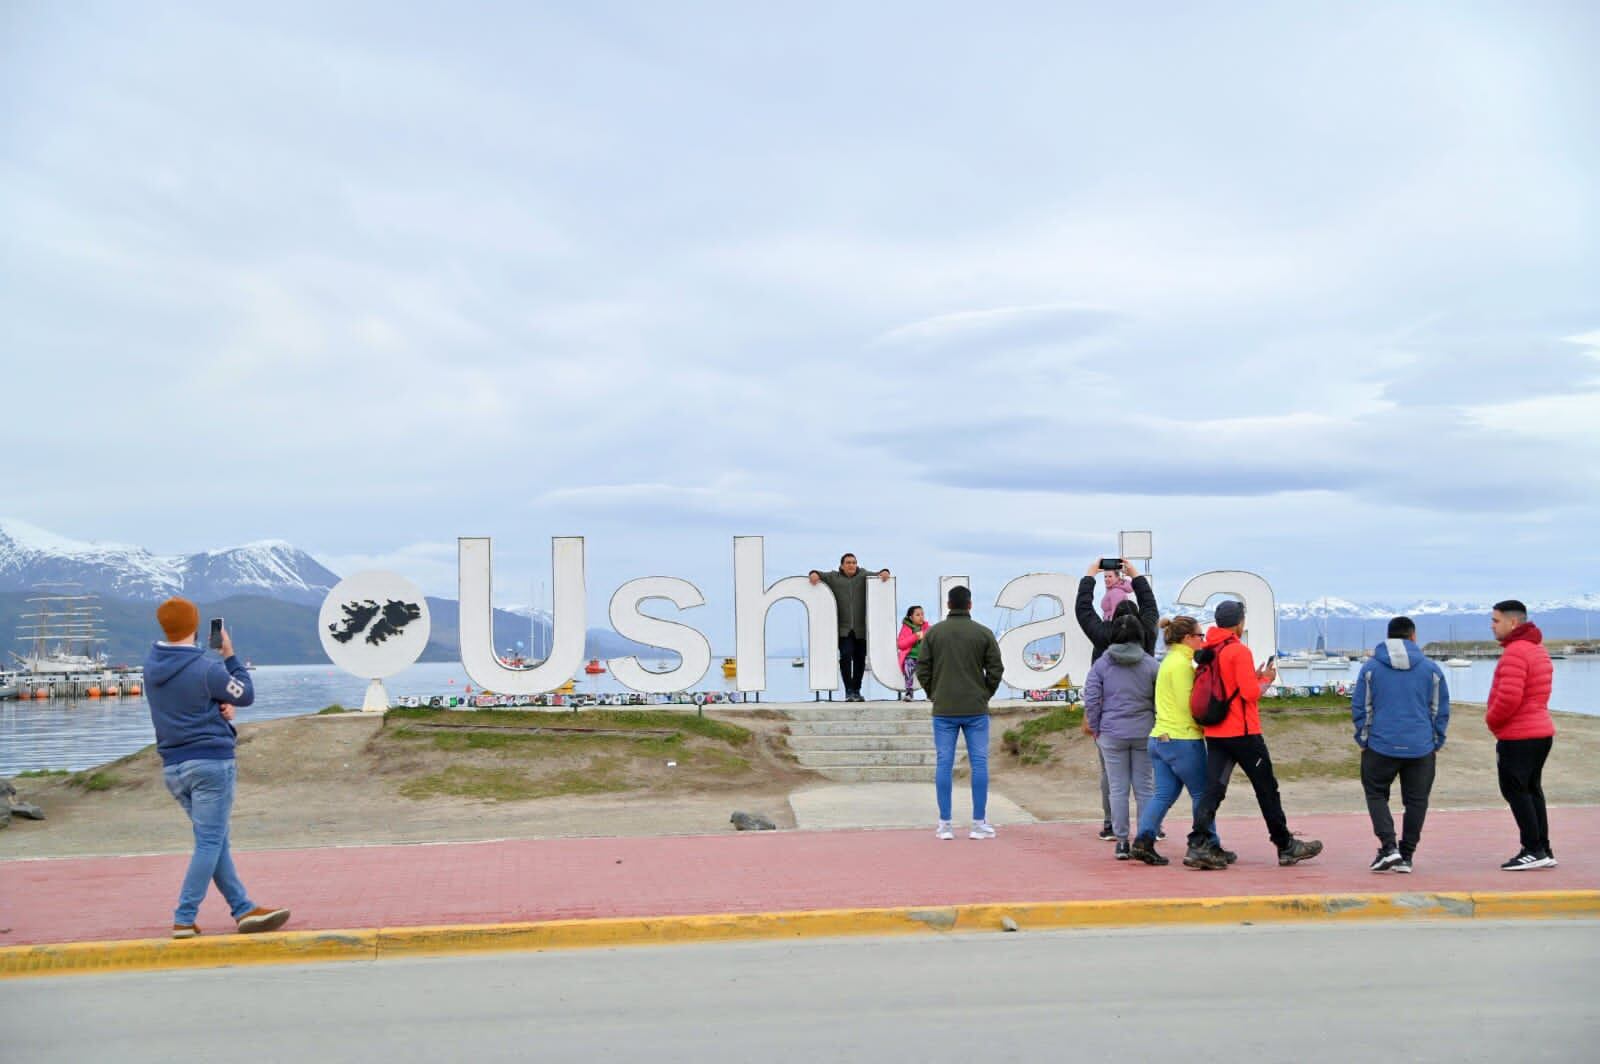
x,y
1249,752
1521,766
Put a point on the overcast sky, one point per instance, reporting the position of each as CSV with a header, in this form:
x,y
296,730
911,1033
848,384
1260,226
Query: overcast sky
x,y
1307,289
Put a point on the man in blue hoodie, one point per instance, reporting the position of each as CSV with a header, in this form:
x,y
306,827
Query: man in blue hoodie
x,y
192,698
1400,708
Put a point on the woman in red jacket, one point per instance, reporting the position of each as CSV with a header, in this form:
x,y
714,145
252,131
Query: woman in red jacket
x,y
1519,716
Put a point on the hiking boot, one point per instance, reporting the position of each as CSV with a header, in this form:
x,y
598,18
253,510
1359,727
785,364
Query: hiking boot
x,y
1106,834
1123,852
184,931
1527,859
981,829
1144,849
1204,857
1387,858
944,830
262,919
1227,855
1298,851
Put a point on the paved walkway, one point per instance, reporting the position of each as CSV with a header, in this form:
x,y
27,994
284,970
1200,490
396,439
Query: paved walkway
x,y
86,899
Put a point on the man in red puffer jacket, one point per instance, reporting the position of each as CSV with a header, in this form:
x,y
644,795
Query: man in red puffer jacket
x,y
1519,716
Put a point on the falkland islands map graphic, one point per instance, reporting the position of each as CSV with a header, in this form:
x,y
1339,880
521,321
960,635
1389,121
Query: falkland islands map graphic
x,y
391,617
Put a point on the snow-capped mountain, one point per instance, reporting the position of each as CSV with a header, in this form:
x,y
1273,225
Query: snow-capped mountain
x,y
30,556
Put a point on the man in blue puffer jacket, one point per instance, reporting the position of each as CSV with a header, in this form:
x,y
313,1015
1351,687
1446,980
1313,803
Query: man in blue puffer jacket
x,y
1400,708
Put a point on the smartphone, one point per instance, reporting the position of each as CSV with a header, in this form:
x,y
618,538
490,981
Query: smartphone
x,y
215,642
1111,564
1273,660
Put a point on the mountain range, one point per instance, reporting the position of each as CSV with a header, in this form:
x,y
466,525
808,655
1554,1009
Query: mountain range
x,y
270,592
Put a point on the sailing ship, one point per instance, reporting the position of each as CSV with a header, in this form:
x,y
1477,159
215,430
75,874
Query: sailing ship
x,y
63,633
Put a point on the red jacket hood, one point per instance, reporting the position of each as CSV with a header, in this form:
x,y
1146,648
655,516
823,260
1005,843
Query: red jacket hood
x,y
1216,635
1526,630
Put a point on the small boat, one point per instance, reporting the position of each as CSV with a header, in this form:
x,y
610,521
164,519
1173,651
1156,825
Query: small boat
x,y
567,688
594,668
1458,663
798,663
730,668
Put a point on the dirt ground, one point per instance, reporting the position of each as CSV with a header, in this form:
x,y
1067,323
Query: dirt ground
x,y
346,780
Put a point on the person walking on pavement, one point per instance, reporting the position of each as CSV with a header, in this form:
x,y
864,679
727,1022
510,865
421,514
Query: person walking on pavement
x,y
1177,745
849,586
1400,707
1237,740
1098,631
960,669
1119,709
1519,716
192,699
913,628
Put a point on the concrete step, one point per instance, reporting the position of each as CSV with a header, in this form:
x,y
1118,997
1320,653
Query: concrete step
x,y
863,758
914,741
861,727
879,774
861,711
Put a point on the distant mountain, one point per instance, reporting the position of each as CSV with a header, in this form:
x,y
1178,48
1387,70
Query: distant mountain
x,y
1357,625
30,556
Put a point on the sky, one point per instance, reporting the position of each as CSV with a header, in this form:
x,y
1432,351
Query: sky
x,y
1311,290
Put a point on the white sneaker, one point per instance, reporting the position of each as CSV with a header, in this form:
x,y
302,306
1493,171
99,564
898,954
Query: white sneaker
x,y
981,829
945,831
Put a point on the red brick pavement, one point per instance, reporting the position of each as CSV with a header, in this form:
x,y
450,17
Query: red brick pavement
x,y
85,899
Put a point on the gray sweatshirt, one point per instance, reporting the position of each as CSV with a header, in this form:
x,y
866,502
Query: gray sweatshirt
x,y
1119,698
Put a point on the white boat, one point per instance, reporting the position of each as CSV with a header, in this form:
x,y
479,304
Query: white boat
x,y
1325,664
1458,663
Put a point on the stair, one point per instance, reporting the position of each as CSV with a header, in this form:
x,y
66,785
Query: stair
x,y
865,742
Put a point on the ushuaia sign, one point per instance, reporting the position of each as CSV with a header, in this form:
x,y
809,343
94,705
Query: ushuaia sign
x,y
754,597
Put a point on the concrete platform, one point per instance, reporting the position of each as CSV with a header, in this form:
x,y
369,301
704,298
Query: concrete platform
x,y
891,805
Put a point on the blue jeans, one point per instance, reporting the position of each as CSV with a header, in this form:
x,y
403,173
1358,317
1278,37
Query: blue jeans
x,y
976,729
205,790
1179,763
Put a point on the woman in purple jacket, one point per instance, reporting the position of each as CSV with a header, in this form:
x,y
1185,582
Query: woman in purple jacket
x,y
1119,709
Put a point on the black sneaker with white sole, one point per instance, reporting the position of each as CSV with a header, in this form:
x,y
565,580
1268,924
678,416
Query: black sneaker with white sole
x,y
1527,860
1387,858
1550,855
1106,834
1123,851
1403,865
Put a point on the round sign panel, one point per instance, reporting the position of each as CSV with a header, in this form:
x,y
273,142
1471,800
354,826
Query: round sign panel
x,y
374,624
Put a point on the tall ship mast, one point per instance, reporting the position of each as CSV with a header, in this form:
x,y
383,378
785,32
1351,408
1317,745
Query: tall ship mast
x,y
63,633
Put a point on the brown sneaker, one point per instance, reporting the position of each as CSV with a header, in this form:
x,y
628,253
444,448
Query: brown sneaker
x,y
184,930
260,919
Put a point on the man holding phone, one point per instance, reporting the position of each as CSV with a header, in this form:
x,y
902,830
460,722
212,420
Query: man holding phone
x,y
192,699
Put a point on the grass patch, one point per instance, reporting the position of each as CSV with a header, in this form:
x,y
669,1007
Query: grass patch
x,y
334,708
611,719
1318,717
94,781
1325,700
1027,742
41,773
509,785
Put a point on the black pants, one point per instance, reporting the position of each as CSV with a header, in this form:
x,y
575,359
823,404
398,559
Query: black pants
x,y
1249,752
852,662
1416,782
1521,765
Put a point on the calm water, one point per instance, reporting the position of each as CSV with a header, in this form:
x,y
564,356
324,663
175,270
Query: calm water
x,y
75,735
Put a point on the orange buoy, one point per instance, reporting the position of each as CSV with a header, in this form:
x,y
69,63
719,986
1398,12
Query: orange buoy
x,y
93,691
113,691
134,689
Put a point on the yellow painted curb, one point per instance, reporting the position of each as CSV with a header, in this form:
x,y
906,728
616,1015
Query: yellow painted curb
x,y
378,943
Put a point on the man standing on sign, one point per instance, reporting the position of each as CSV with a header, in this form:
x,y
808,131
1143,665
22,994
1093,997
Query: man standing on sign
x,y
191,705
960,668
849,586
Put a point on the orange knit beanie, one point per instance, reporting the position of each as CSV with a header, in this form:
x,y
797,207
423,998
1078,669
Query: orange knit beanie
x,y
179,618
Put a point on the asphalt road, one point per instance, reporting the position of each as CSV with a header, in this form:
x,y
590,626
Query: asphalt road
x,y
1517,991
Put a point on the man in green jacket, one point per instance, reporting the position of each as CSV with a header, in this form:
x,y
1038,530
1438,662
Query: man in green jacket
x,y
849,586
960,669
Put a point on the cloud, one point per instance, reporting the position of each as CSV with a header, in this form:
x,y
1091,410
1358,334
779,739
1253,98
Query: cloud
x,y
1493,370
1055,325
431,565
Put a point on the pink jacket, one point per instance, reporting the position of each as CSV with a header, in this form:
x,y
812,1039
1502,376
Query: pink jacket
x,y
906,640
